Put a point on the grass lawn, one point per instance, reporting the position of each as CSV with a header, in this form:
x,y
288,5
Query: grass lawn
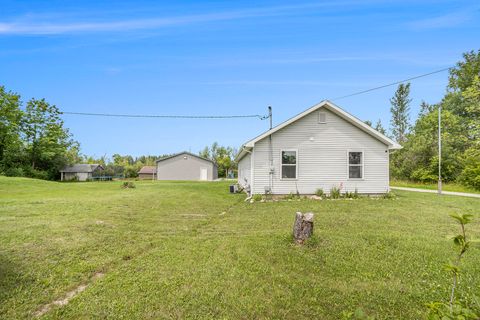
x,y
192,250
433,186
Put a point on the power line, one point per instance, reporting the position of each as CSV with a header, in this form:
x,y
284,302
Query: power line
x,y
391,84
118,115
261,117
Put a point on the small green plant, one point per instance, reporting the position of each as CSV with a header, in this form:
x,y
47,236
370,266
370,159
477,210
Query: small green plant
x,y
335,192
257,197
455,309
291,196
319,192
128,185
389,195
359,314
356,195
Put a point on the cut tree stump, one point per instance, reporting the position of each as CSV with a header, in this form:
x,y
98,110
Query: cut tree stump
x,y
303,227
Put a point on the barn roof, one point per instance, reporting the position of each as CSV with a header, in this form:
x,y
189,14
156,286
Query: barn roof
x,y
82,168
186,153
148,170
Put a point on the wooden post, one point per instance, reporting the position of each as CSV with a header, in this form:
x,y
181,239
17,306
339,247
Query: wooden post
x,y
303,227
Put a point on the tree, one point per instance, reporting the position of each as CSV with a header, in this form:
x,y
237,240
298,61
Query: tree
x,y
223,156
380,128
418,160
368,122
47,141
400,110
10,129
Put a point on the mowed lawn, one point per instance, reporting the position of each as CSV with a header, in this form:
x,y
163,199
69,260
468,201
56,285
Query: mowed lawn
x,y
191,250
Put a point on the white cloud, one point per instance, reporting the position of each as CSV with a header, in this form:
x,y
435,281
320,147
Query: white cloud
x,y
448,20
34,24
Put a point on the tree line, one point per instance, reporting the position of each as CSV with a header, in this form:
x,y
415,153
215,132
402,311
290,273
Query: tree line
x,y
460,114
35,143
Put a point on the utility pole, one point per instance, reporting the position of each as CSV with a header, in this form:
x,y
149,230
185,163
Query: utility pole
x,y
439,149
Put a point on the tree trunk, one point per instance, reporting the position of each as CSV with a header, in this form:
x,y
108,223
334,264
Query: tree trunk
x,y
303,227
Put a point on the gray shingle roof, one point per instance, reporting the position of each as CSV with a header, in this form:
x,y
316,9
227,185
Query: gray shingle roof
x,y
81,167
186,153
148,169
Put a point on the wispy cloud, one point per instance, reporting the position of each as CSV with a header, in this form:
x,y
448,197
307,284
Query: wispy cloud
x,y
32,25
448,20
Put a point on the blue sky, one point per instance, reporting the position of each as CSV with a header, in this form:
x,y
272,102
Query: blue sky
x,y
221,58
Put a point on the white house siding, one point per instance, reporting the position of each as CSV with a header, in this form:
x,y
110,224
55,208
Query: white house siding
x,y
244,170
322,157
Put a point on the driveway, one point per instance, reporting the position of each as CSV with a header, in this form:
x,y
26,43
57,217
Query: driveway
x,y
450,193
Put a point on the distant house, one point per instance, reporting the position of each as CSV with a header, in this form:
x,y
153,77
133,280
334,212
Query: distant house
x,y
80,172
322,147
147,173
186,166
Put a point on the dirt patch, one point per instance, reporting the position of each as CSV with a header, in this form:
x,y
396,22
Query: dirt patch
x,y
68,296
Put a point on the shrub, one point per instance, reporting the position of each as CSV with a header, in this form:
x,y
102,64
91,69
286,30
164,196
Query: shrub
x,y
319,192
335,192
257,197
14,172
352,195
291,196
388,195
128,185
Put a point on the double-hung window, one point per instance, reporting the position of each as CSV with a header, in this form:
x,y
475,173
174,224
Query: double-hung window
x,y
355,165
289,164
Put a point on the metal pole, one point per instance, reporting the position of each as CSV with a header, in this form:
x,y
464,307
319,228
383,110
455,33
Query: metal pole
x,y
270,152
440,149
270,116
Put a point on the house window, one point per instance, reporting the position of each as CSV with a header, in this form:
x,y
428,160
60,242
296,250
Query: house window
x,y
322,117
355,165
289,164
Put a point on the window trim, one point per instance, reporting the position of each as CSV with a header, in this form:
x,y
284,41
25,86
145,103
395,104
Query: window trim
x,y
322,112
362,165
296,164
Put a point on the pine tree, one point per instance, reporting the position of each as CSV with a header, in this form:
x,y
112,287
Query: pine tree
x,y
400,110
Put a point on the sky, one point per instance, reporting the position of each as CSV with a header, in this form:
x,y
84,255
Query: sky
x,y
223,58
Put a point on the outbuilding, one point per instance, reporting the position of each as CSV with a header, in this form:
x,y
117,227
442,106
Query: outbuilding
x,y
80,172
147,173
320,148
186,166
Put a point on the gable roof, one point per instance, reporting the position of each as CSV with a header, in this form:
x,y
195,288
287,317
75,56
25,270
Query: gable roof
x,y
185,153
392,145
148,170
82,168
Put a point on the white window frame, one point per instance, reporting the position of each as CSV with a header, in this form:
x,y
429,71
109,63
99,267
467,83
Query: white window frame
x,y
296,164
362,165
325,114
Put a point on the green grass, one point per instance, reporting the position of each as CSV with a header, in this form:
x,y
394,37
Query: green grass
x,y
192,250
433,186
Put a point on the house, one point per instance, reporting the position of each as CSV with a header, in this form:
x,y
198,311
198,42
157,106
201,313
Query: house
x,y
322,147
186,166
80,172
148,173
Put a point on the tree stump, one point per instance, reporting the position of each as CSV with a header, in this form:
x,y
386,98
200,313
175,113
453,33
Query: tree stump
x,y
303,227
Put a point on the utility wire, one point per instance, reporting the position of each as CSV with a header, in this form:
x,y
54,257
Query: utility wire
x,y
165,116
245,116
391,84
